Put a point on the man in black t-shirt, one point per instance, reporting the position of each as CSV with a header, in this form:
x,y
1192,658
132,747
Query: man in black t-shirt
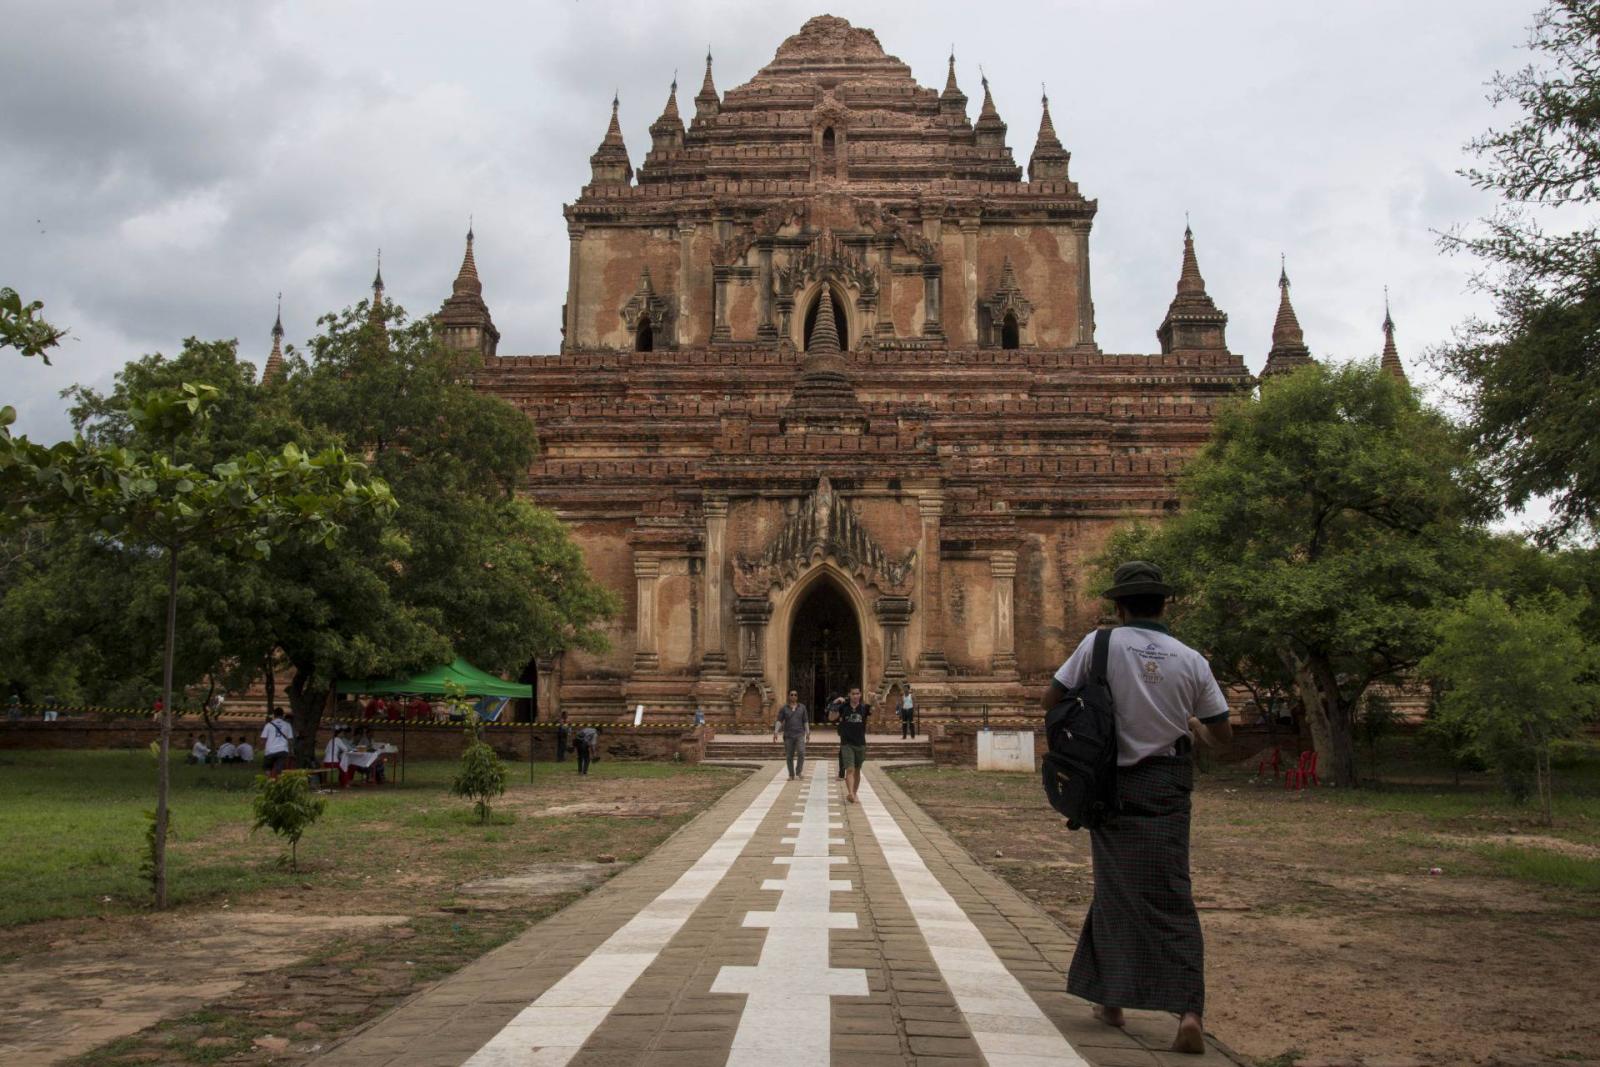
x,y
853,740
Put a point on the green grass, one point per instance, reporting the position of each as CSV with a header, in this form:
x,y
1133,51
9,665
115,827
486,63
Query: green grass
x,y
73,824
1543,867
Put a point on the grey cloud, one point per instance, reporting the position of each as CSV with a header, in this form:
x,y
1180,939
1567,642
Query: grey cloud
x,y
190,161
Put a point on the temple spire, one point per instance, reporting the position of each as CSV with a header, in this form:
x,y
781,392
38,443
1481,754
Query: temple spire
x,y
467,280
1193,320
609,165
377,318
1390,361
706,101
1049,160
464,318
1286,327
1288,340
825,333
272,370
991,130
666,132
824,400
1189,279
953,102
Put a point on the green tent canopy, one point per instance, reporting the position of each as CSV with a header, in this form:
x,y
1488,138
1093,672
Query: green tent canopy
x,y
475,682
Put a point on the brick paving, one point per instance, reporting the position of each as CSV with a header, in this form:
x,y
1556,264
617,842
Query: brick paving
x,y
708,952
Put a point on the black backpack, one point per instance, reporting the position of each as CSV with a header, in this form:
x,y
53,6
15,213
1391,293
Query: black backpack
x,y
1080,764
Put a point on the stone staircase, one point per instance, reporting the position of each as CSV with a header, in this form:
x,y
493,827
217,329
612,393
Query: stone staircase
x,y
820,747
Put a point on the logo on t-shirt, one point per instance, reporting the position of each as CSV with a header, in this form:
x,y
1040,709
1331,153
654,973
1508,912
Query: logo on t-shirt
x,y
1150,671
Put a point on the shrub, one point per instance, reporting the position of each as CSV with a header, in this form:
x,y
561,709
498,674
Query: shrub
x,y
286,806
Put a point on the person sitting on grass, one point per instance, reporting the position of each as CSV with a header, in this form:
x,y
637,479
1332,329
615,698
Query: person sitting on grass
x,y
244,752
198,752
226,753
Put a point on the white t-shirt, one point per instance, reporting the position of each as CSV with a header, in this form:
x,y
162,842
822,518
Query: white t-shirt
x,y
276,734
245,752
335,750
199,751
1157,682
226,750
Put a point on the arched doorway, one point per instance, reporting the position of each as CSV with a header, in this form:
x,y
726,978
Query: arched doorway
x,y
827,298
1010,333
824,647
645,339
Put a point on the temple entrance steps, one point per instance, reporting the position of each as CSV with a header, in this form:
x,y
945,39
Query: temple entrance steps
x,y
824,745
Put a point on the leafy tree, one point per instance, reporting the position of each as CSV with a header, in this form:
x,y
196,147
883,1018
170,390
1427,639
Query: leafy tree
x,y
1319,527
482,775
23,329
1528,377
469,566
286,806
1515,680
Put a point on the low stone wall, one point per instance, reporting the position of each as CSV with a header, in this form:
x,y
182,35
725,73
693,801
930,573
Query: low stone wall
x,y
512,741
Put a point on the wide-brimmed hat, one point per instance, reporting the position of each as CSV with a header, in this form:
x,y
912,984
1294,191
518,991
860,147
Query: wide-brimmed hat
x,y
1137,578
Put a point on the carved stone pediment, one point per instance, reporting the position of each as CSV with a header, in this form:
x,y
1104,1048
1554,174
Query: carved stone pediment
x,y
827,257
1006,299
824,526
875,218
647,303
767,224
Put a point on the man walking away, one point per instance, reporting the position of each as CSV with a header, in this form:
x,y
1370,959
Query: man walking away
x,y
275,740
1141,945
853,741
563,738
588,738
908,712
794,722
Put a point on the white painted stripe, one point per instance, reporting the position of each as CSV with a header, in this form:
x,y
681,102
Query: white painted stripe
x,y
1008,1025
788,1014
551,1030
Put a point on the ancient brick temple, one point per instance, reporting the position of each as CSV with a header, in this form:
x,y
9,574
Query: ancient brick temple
x,y
829,408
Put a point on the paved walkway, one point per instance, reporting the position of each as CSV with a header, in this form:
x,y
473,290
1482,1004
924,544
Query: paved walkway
x,y
782,927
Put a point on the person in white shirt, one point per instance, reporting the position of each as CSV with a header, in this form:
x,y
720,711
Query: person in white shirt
x,y
334,753
244,752
226,753
198,752
1141,945
276,738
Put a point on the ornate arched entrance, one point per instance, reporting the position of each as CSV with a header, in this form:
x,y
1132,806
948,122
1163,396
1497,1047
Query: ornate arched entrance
x,y
825,646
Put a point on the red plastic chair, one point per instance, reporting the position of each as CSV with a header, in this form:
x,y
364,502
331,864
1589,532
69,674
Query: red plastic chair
x,y
1304,772
1276,761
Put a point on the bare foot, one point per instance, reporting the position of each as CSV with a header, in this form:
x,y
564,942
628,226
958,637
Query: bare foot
x,y
1191,1036
1109,1016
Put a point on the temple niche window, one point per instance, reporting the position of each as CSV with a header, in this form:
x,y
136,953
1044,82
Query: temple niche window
x,y
648,316
830,152
1005,313
827,299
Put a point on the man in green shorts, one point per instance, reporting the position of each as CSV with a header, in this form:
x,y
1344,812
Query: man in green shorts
x,y
853,741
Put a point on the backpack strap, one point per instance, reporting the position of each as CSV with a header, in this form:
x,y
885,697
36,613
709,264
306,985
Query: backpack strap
x,y
1099,658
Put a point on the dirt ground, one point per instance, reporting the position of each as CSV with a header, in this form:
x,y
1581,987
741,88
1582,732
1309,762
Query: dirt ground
x,y
1328,939
272,976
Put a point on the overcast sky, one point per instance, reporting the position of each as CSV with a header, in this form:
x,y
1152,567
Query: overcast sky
x,y
167,168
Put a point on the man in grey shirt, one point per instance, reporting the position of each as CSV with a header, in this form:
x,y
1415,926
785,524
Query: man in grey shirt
x,y
795,724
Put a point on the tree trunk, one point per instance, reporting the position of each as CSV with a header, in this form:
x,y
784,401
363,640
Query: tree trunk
x,y
271,683
307,701
163,772
1332,729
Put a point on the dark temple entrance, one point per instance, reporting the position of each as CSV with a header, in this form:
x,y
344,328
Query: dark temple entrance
x,y
824,647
